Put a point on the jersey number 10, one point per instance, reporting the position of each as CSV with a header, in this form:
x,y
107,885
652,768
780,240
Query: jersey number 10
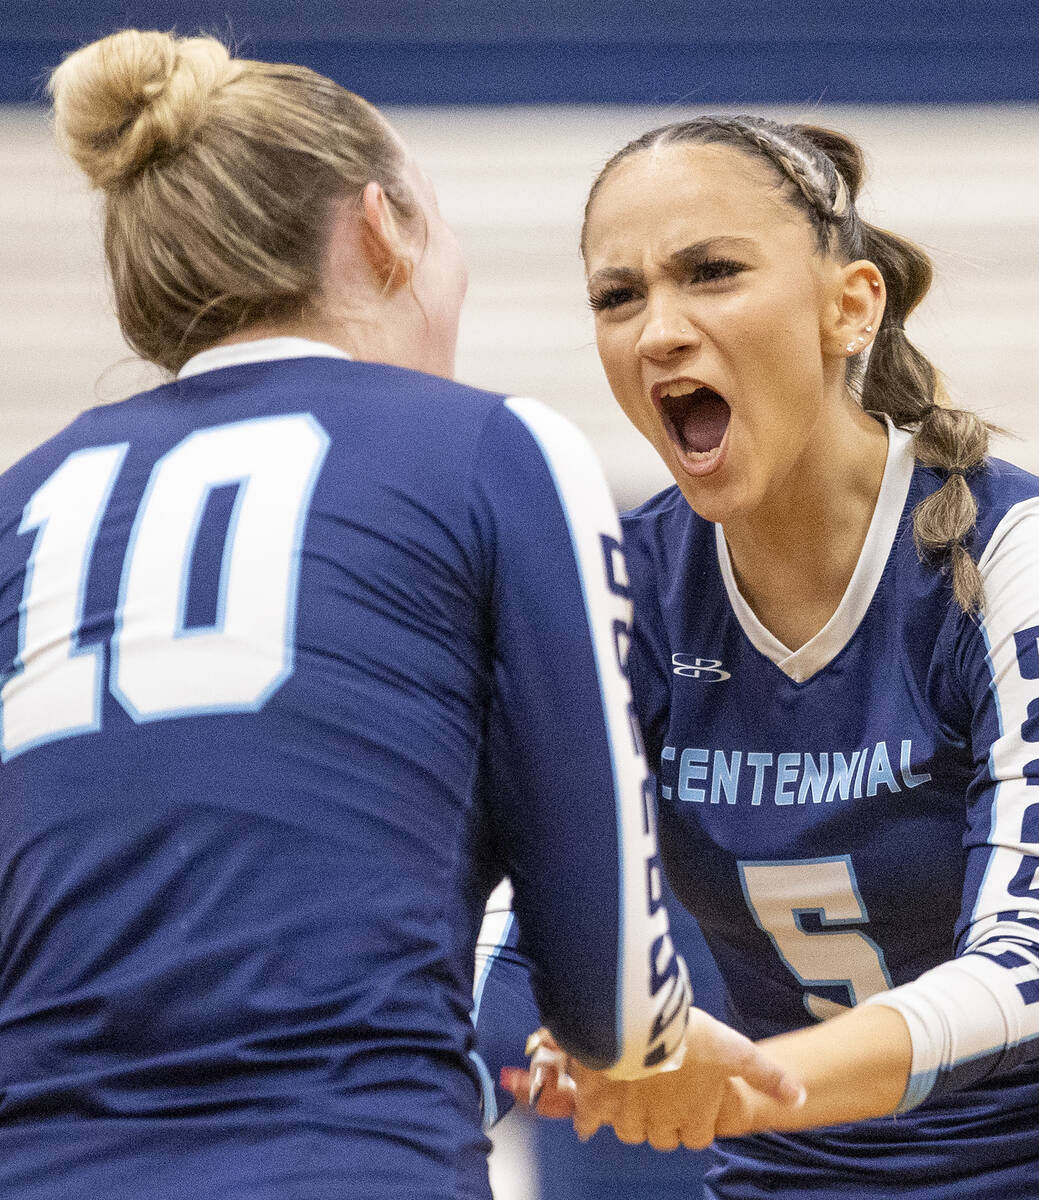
x,y
159,668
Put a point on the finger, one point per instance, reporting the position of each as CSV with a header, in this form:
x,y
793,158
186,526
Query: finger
x,y
591,1112
696,1137
539,1039
516,1081
586,1125
555,1104
558,1096
555,1099
664,1139
734,1117
738,1055
546,1066
771,1079
630,1127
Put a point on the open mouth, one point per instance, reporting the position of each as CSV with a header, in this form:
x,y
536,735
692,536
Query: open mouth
x,y
696,419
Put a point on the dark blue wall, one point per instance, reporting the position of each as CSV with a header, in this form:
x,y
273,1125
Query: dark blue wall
x,y
653,51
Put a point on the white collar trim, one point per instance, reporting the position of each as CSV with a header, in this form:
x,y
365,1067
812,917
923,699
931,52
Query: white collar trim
x,y
822,649
262,350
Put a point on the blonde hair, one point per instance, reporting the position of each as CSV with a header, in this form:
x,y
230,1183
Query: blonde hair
x,y
218,176
824,170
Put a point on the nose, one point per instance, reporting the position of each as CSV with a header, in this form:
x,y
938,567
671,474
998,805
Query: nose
x,y
665,329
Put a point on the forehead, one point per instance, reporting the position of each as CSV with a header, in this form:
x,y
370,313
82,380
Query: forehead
x,y
666,197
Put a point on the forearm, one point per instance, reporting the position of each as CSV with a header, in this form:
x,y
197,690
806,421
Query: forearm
x,y
853,1066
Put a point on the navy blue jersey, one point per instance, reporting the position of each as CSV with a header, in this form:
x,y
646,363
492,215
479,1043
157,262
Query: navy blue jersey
x,y
856,819
299,656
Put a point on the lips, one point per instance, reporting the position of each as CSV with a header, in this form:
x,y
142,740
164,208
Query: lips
x,y
696,417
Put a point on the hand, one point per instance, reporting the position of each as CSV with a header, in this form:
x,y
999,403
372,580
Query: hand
x,y
673,1108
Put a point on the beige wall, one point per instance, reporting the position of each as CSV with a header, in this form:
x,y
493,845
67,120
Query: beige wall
x,y
964,182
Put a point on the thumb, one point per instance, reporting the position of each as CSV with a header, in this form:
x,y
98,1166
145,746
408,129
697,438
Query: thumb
x,y
738,1055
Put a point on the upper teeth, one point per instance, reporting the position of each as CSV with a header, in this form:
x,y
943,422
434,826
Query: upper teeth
x,y
679,388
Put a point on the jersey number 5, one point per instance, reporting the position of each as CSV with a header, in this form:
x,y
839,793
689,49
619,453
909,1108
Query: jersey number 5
x,y
159,667
806,906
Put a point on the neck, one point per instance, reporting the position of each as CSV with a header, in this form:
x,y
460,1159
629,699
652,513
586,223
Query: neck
x,y
794,556
365,336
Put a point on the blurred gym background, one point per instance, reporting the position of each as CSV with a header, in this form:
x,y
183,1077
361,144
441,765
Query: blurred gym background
x,y
512,109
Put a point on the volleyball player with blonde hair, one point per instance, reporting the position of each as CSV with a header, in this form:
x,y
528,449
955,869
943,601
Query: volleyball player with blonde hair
x,y
301,652
836,667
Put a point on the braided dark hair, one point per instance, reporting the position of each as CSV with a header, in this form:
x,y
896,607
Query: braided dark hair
x,y
825,170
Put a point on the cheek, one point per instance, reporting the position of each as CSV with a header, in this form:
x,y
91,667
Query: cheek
x,y
623,374
776,351
617,356
613,364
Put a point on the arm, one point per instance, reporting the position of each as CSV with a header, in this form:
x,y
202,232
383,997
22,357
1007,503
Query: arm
x,y
572,801
853,1066
977,1014
570,796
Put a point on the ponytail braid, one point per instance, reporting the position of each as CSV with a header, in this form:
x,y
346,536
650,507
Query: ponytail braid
x,y
903,384
825,170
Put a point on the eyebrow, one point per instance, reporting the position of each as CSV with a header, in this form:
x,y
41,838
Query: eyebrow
x,y
677,263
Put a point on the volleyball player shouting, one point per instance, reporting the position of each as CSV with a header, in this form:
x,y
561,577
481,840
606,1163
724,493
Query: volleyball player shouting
x,y
836,666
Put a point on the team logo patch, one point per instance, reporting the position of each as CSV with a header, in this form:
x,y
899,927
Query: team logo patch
x,y
708,669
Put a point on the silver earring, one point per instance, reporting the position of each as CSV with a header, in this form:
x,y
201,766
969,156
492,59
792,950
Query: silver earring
x,y
851,347
869,328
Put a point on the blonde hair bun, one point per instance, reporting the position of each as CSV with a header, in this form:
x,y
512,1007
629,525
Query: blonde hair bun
x,y
135,96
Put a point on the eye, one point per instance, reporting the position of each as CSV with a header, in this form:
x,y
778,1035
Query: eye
x,y
713,270
600,299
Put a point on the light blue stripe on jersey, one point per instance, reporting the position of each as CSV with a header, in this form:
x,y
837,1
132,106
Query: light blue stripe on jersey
x,y
489,1105
918,1089
994,809
500,944
496,928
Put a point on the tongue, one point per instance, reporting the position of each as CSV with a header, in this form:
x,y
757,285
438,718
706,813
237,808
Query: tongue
x,y
703,426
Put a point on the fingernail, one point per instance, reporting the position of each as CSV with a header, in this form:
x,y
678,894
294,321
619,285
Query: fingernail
x,y
537,1082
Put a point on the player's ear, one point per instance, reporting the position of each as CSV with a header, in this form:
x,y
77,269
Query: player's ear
x,y
853,314
382,240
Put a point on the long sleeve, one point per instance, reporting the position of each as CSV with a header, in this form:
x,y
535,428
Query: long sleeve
x,y
571,799
978,1014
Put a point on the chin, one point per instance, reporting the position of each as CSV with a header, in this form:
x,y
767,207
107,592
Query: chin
x,y
713,500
